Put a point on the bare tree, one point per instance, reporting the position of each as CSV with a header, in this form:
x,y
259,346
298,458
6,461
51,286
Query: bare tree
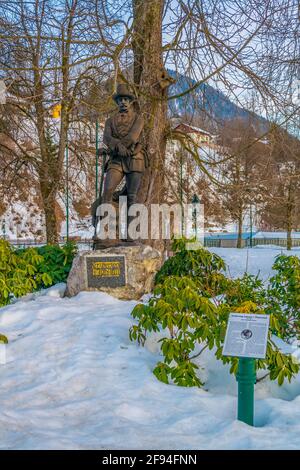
x,y
54,52
47,61
283,184
243,174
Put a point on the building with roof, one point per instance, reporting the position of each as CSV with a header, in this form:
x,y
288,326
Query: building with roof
x,y
200,136
226,240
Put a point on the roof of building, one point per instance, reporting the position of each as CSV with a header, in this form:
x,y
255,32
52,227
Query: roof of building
x,y
192,129
189,127
278,235
247,235
227,236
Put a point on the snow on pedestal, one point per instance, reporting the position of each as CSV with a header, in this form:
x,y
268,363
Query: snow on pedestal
x,y
141,264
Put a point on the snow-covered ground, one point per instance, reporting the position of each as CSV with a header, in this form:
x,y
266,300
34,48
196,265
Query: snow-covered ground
x,y
73,380
257,260
25,222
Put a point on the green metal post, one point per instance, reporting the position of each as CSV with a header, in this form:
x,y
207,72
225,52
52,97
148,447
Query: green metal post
x,y
246,378
67,190
97,157
251,227
181,191
195,202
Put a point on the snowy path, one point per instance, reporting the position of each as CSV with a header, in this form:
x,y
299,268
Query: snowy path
x,y
73,380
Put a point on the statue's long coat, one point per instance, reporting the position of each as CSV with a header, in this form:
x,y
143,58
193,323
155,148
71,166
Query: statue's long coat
x,y
127,129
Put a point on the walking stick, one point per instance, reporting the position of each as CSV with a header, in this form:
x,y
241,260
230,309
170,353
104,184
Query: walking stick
x,y
102,151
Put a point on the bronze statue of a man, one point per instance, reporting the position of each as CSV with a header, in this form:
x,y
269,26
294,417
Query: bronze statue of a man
x,y
122,136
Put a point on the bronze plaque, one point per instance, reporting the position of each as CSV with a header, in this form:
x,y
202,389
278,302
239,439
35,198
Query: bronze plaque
x,y
105,271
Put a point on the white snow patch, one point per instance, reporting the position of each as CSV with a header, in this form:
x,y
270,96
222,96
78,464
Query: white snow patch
x,y
253,261
73,380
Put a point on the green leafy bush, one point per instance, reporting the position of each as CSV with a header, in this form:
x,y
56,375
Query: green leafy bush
x,y
201,265
57,261
3,339
248,288
27,270
190,319
284,295
19,272
193,308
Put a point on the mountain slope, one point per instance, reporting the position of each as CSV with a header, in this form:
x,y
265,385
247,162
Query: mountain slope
x,y
209,103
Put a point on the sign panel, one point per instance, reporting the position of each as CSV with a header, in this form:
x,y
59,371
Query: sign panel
x,y
105,271
246,335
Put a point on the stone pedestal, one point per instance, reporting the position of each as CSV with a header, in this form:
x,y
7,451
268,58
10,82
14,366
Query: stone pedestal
x,y
125,272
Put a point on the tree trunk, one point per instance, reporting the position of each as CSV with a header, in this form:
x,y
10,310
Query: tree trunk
x,y
289,218
240,228
151,82
49,200
289,238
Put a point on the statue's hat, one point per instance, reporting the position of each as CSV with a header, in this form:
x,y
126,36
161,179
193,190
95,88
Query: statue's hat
x,y
122,90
